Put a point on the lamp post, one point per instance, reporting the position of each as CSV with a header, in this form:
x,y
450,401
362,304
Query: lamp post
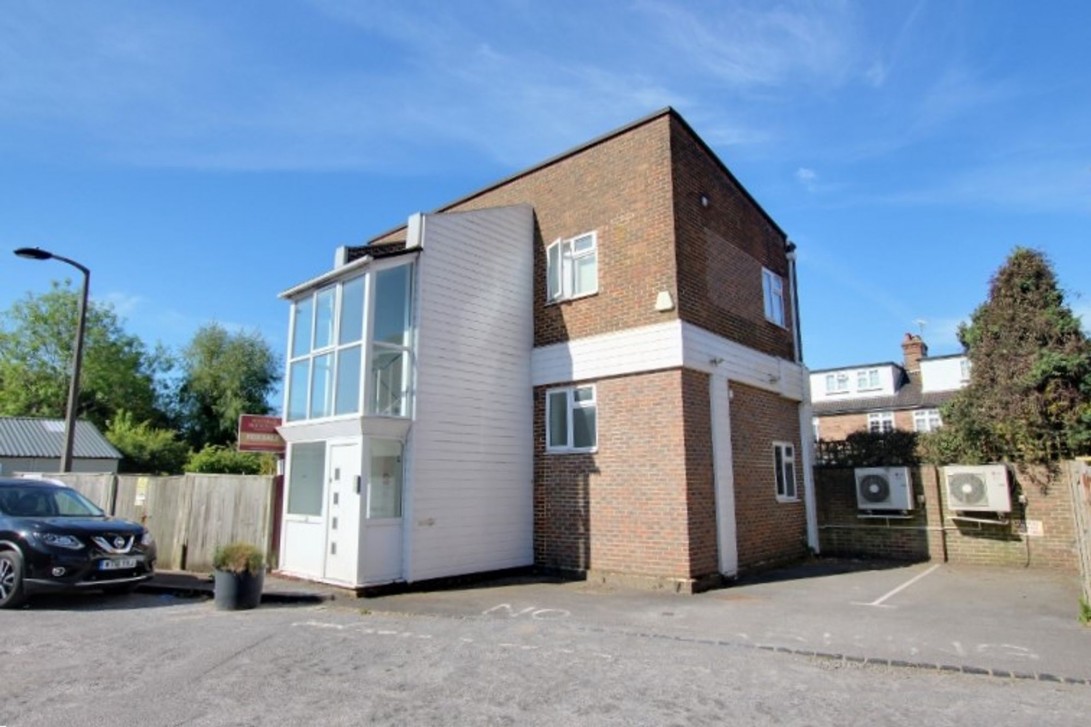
x,y
36,253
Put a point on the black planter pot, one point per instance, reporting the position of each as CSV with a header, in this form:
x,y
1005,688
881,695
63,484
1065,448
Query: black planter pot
x,y
237,591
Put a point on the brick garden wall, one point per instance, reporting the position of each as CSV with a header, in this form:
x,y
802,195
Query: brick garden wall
x,y
931,533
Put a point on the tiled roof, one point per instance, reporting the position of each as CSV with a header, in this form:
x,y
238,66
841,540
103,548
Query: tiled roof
x,y
34,437
909,396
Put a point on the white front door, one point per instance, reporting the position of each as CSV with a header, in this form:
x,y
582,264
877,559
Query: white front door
x,y
343,514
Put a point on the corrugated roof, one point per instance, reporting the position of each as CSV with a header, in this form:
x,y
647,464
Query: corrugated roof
x,y
35,437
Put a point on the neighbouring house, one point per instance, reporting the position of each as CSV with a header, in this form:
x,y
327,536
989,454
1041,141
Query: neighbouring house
x,y
592,366
882,397
34,445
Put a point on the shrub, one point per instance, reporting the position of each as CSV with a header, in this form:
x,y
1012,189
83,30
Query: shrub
x,y
238,558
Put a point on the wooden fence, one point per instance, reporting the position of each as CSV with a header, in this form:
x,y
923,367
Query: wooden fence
x,y
189,515
1080,479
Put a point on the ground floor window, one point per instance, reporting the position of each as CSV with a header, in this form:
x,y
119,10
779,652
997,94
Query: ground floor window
x,y
784,463
571,419
384,483
926,420
880,421
306,478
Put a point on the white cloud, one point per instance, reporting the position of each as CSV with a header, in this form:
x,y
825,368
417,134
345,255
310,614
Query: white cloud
x,y
807,177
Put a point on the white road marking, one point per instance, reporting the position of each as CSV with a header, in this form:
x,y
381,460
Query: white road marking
x,y
899,589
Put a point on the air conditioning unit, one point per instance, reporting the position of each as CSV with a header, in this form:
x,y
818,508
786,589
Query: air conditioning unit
x,y
977,488
884,488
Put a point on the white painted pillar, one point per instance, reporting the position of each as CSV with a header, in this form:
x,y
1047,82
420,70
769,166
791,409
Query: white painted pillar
x,y
806,437
723,473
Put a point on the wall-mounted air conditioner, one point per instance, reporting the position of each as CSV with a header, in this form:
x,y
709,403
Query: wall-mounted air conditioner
x,y
884,488
977,488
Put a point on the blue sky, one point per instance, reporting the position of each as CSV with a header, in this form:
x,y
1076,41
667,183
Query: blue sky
x,y
200,157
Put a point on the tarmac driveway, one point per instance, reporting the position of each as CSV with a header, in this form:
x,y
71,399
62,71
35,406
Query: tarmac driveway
x,y
1003,622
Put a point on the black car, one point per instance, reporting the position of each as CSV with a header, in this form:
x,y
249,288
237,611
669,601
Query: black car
x,y
52,538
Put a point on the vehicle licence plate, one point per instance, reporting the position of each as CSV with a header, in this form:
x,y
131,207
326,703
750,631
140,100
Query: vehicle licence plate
x,y
117,564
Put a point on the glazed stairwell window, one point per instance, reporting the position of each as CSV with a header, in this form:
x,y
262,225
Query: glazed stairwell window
x,y
571,419
572,268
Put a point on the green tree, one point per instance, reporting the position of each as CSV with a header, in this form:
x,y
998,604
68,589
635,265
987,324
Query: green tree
x,y
223,375
146,449
217,459
1029,397
36,344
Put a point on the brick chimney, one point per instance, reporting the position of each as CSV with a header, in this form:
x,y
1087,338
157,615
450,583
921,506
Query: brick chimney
x,y
913,350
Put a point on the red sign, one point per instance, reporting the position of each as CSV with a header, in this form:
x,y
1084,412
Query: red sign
x,y
259,434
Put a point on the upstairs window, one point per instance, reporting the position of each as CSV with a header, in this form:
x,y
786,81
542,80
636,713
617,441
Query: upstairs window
x,y
571,419
572,267
772,287
867,379
784,463
837,383
880,421
964,370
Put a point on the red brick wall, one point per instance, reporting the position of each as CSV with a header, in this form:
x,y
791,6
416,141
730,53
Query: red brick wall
x,y
620,188
623,508
769,531
700,484
721,250
931,533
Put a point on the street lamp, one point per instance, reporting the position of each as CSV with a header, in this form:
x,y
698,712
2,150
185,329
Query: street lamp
x,y
36,253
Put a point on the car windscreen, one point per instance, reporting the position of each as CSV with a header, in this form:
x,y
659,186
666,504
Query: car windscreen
x,y
19,501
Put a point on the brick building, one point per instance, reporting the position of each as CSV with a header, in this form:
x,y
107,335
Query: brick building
x,y
882,397
591,366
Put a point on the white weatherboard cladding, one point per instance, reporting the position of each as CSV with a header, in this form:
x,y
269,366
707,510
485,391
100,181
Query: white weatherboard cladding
x,y
672,344
942,374
469,504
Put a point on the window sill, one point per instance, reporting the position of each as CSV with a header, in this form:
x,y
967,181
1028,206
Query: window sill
x,y
590,450
786,500
560,301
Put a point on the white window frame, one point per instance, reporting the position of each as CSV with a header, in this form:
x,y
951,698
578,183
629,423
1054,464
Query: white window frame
x,y
787,455
561,268
880,421
964,367
837,383
772,293
927,420
570,404
868,380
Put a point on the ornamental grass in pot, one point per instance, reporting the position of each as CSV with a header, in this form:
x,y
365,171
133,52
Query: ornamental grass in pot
x,y
239,572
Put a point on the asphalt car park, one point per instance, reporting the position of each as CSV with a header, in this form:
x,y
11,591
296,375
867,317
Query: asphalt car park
x,y
825,643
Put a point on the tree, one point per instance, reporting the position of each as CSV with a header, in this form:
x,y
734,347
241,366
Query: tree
x,y
36,344
217,459
1029,397
146,449
223,375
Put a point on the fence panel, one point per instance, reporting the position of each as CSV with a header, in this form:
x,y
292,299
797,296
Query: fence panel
x,y
98,488
1080,480
162,504
225,509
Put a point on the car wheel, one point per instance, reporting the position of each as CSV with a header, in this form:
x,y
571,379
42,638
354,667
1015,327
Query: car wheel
x,y
11,579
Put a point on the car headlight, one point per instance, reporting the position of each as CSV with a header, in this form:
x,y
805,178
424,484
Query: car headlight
x,y
147,540
60,541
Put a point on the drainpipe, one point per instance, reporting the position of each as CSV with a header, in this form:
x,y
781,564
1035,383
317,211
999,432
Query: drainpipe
x,y
797,336
805,412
